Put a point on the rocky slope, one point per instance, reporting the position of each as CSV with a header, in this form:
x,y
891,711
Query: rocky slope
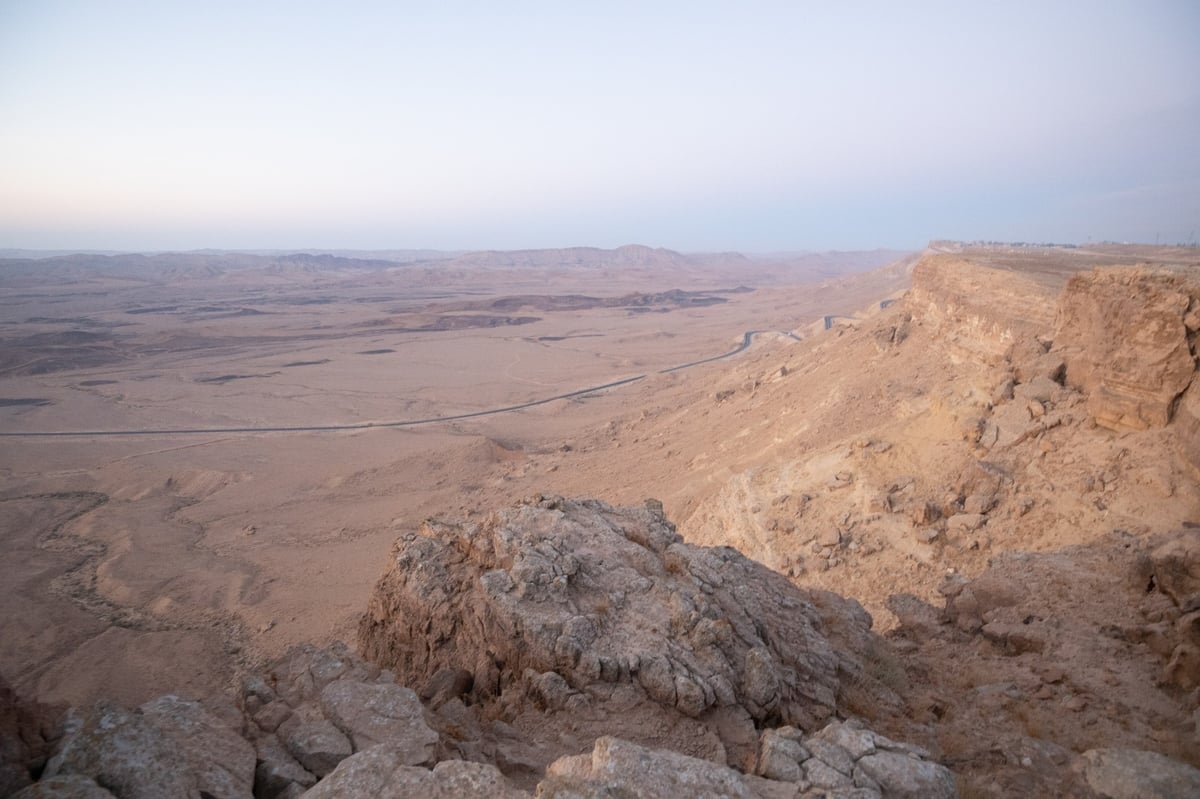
x,y
604,617
545,632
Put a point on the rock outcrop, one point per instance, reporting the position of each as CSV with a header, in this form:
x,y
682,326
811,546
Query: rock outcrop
x,y
1128,336
570,604
979,311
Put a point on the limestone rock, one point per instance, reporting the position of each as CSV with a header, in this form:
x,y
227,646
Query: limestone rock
x,y
125,752
317,745
372,714
610,600
64,786
381,772
277,770
620,768
847,758
903,776
1122,334
780,755
1137,774
221,759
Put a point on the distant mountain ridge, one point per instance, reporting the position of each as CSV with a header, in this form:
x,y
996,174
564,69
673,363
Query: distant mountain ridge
x,y
202,264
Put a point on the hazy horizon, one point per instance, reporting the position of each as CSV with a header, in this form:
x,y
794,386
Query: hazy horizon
x,y
698,127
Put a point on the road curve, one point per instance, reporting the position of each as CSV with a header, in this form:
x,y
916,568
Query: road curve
x,y
747,338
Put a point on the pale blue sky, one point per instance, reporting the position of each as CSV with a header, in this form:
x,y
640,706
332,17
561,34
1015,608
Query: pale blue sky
x,y
754,126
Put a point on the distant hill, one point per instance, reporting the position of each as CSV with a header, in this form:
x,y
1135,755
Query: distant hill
x,y
26,267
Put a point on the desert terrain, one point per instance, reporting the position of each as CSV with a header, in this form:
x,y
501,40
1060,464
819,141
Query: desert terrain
x,y
210,459
179,556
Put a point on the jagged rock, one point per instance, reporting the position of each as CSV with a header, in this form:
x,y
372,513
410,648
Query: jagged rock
x,y
382,772
318,745
848,759
306,670
1009,425
372,714
125,752
1137,774
277,770
64,786
854,738
24,727
610,600
1123,336
221,760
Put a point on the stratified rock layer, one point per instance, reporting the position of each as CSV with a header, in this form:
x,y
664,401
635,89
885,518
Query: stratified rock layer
x,y
1125,336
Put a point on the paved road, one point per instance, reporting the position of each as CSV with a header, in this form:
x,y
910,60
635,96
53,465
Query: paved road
x,y
189,431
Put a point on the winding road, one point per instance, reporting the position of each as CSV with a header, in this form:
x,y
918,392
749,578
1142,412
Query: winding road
x,y
747,338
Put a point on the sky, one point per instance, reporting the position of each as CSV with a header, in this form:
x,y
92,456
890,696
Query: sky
x,y
698,126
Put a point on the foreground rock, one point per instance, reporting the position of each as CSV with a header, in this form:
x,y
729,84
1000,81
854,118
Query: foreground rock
x,y
1136,774
842,760
570,605
134,757
24,729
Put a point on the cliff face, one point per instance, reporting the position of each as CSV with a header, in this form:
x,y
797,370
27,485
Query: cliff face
x,y
979,311
1125,335
1128,337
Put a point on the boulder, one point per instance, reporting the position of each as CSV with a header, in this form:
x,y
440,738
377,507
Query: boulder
x,y
221,759
375,713
126,753
277,770
900,775
381,772
611,600
620,768
847,758
1137,774
317,745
